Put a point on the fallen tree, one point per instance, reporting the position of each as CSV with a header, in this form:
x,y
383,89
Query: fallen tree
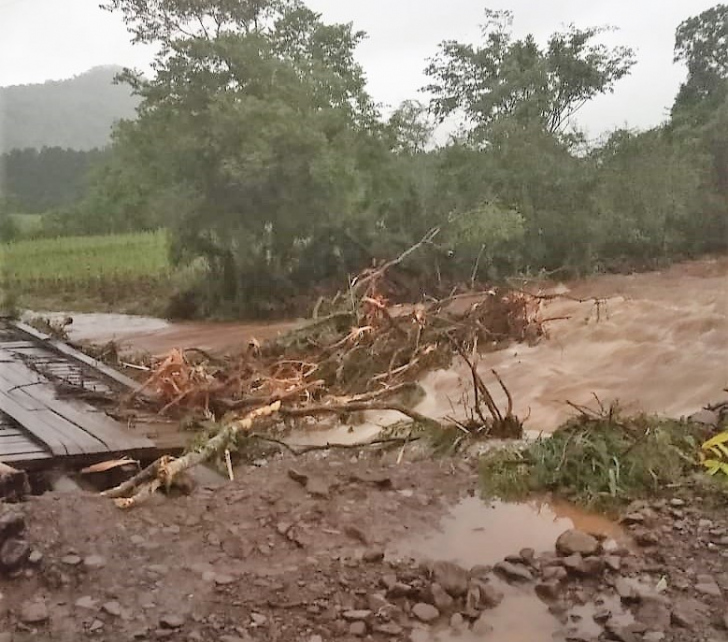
x,y
364,356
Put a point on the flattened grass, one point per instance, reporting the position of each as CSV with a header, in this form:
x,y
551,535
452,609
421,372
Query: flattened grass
x,y
600,462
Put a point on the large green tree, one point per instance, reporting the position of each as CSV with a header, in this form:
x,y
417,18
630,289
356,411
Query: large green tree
x,y
257,114
701,43
505,77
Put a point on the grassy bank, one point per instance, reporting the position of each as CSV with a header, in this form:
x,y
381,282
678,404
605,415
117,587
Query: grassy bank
x,y
602,462
123,272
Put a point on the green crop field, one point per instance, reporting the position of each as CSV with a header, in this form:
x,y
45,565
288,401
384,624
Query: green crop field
x,y
92,272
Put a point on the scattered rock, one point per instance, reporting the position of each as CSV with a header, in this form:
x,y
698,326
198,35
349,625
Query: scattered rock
x,y
481,626
35,557
593,566
353,616
620,633
440,597
707,585
96,625
93,562
490,595
35,612
554,573
425,612
633,518
457,622
654,614
676,502
626,590
13,554
12,524
548,591
171,621
613,562
398,590
480,571
527,555
112,608
653,636
223,580
514,572
574,564
358,629
258,619
71,560
575,541
389,629
373,555
453,578
646,538
86,602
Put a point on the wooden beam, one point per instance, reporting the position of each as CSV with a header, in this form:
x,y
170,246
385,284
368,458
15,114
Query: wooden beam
x,y
68,351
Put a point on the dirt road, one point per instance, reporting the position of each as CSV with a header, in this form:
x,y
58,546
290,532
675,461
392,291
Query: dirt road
x,y
359,548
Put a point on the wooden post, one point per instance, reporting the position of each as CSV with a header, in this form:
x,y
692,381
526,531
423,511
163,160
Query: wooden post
x,y
14,485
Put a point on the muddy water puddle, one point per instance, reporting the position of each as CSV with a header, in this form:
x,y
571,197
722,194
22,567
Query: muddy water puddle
x,y
475,532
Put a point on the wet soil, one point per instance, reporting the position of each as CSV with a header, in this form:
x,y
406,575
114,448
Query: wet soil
x,y
349,553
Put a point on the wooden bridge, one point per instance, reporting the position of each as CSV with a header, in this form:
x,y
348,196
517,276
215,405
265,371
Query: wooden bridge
x,y
46,418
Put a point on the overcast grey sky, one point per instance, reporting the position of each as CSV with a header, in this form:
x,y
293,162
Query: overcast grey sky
x,y
54,39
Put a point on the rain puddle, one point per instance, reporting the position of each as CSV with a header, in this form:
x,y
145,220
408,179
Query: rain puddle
x,y
479,533
475,532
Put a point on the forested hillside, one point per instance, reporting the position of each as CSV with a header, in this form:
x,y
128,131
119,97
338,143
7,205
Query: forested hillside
x,y
77,113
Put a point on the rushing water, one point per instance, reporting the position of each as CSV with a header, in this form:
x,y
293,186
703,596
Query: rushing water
x,y
659,344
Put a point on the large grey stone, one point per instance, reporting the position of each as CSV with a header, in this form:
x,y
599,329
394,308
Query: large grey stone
x,y
575,541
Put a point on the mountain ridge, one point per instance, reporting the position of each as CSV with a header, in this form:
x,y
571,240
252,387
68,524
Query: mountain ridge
x,y
74,113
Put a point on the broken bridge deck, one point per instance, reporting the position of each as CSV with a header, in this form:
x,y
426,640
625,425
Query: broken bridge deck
x,y
39,427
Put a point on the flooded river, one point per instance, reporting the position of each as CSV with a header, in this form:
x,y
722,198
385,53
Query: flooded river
x,y
660,344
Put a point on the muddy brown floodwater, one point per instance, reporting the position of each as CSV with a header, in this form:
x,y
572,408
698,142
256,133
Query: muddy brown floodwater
x,y
659,345
479,533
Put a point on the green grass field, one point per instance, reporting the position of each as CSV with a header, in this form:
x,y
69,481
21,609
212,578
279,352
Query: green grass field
x,y
123,272
27,224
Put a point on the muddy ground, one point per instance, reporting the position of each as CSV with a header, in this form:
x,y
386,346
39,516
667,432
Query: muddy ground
x,y
336,546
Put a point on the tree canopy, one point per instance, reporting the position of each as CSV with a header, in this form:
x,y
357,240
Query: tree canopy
x,y
701,43
258,146
517,78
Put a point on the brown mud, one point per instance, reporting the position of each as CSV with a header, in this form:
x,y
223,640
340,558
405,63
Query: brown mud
x,y
268,558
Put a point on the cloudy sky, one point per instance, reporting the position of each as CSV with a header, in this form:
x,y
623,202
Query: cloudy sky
x,y
55,39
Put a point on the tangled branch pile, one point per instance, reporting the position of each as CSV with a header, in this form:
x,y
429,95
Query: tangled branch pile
x,y
359,358
348,356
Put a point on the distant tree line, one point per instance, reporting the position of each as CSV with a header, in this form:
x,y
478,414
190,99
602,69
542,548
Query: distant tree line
x,y
35,181
258,146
